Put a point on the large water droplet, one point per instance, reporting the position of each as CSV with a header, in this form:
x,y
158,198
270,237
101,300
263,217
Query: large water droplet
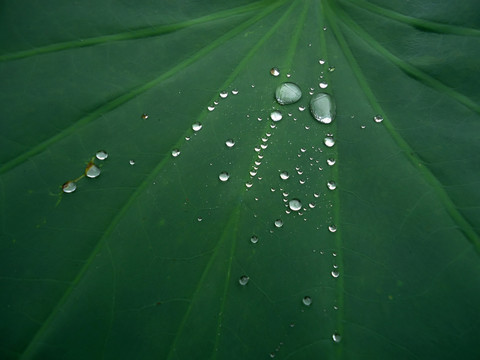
x,y
254,239
175,152
230,143
197,126
378,118
329,141
224,176
278,223
69,187
274,71
331,185
243,280
336,337
307,301
322,108
276,115
92,171
101,155
284,175
295,204
288,93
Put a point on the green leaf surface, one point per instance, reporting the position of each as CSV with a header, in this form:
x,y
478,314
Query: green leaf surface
x,y
146,260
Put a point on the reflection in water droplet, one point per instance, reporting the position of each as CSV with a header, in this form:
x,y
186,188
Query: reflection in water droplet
x,y
295,204
223,94
332,228
69,187
336,337
378,118
288,93
284,175
254,239
224,176
331,185
322,108
276,115
331,161
92,171
307,301
175,152
274,71
243,280
197,126
230,143
329,141
101,155
132,162
278,223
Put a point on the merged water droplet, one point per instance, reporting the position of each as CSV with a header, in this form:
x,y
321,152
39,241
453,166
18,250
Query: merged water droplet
x,y
295,204
276,115
92,171
274,71
329,141
197,126
254,239
331,185
101,155
288,93
322,108
224,176
307,301
336,337
69,187
175,152
378,118
230,143
278,223
243,280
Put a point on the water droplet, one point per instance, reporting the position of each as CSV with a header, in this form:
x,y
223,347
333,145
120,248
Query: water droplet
x,y
331,68
295,204
274,71
301,108
311,205
336,337
92,171
175,152
323,85
321,61
199,219
101,155
224,176
276,115
211,108
378,118
254,239
332,228
223,94
230,143
243,280
144,116
132,162
307,301
197,126
249,185
69,187
322,108
288,93
324,28
234,92
331,161
329,141
284,175
331,185
335,273
278,223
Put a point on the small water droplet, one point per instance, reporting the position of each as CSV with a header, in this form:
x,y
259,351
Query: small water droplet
x,y
199,219
224,176
324,28
321,61
249,185
301,108
323,85
336,337
101,155
92,171
331,68
230,143
254,239
335,273
284,175
288,93
69,187
316,195
274,71
278,223
276,115
307,301
234,92
311,205
197,126
332,228
175,152
331,161
132,162
331,185
322,108
329,141
223,94
243,280
211,108
378,118
144,116
295,204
